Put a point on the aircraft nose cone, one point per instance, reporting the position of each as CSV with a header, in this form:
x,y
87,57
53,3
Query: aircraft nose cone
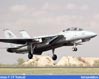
x,y
93,34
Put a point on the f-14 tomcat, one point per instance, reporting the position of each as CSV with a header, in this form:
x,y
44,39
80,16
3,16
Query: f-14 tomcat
x,y
69,37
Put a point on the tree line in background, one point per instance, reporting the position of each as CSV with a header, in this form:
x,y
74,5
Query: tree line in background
x,y
20,62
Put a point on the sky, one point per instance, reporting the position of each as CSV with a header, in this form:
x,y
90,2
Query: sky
x,y
45,17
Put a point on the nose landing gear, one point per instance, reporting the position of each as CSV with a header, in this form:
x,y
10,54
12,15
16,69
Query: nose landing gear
x,y
74,48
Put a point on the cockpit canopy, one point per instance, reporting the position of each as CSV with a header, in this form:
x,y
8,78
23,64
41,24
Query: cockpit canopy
x,y
73,29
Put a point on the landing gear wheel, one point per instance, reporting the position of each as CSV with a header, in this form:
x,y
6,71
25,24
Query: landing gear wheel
x,y
75,49
30,56
54,57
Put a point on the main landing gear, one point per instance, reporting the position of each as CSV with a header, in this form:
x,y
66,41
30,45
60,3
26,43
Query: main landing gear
x,y
54,57
30,56
31,50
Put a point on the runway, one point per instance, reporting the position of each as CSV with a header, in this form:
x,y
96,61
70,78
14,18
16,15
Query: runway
x,y
49,71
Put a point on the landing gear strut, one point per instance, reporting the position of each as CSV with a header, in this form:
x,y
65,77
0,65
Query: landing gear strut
x,y
54,57
74,48
31,50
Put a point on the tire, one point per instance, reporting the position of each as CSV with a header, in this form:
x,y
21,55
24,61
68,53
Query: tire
x,y
75,49
30,56
54,57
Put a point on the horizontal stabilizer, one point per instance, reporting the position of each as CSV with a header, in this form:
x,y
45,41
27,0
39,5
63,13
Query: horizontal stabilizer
x,y
18,41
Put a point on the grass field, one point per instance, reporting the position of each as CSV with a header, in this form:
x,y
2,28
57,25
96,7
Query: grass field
x,y
49,71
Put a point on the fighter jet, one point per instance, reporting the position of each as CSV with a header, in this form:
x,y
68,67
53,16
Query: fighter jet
x,y
36,46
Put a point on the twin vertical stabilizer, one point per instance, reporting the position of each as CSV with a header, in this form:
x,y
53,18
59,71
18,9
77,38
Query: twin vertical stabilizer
x,y
24,34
